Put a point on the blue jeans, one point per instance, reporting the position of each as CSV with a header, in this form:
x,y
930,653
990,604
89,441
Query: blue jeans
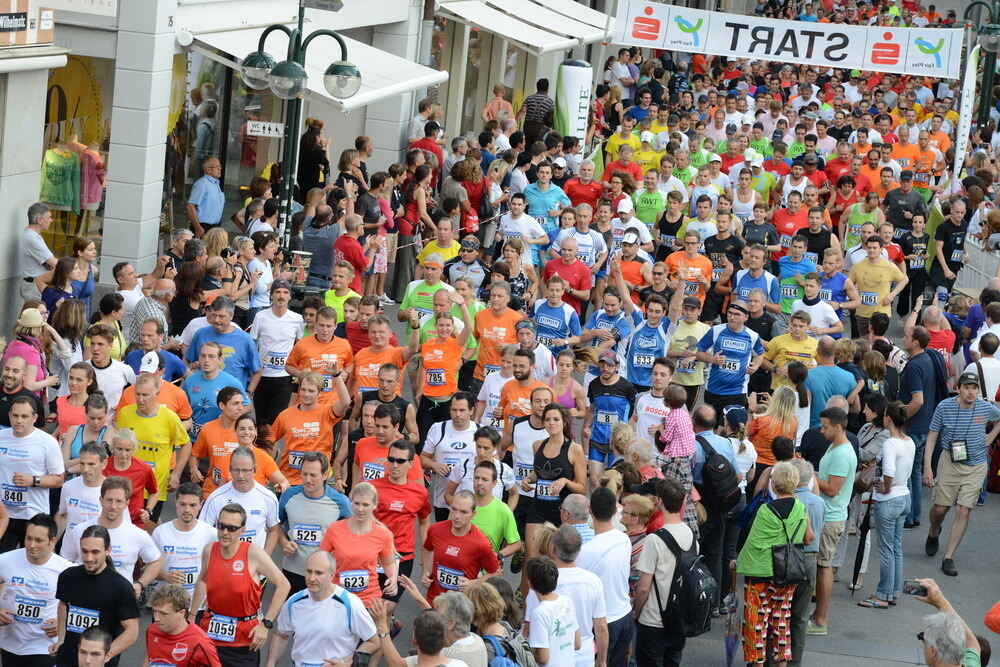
x,y
889,517
916,476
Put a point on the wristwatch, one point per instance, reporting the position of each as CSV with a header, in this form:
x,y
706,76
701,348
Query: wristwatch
x,y
267,623
383,635
36,481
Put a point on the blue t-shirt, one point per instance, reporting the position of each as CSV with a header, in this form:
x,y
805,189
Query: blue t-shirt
x,y
730,378
832,289
619,325
539,204
612,404
919,376
239,353
558,322
957,424
643,346
721,445
202,394
173,366
816,510
743,283
824,382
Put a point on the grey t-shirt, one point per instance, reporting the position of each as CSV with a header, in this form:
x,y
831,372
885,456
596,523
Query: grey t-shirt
x,y
319,241
34,253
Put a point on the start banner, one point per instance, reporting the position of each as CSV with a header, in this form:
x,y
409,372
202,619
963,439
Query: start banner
x,y
920,51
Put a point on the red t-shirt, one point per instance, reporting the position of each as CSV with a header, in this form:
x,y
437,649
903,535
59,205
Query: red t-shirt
x,y
817,178
576,274
862,184
896,256
348,249
631,168
428,144
777,167
579,193
143,479
943,341
456,557
730,161
787,225
190,647
370,458
398,506
837,168
359,340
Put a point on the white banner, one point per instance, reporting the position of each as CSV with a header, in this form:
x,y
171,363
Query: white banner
x,y
965,110
573,99
920,51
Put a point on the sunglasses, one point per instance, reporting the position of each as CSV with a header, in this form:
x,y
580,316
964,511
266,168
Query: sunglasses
x,y
393,459
658,273
229,528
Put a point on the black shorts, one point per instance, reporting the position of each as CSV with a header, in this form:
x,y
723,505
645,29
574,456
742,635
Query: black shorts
x,y
154,516
297,581
238,656
541,511
521,514
405,569
8,659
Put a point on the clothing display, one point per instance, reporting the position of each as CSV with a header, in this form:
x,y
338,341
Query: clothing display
x,y
61,179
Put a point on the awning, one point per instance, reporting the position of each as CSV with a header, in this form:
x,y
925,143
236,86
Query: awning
x,y
383,75
579,12
553,21
510,28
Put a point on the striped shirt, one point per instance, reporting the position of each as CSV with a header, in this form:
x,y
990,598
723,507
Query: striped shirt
x,y
954,423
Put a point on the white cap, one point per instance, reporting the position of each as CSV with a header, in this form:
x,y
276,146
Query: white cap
x,y
757,161
560,162
631,238
715,157
150,362
749,154
625,205
646,136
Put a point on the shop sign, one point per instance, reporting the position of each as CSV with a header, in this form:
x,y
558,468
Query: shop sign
x,y
325,5
260,128
26,23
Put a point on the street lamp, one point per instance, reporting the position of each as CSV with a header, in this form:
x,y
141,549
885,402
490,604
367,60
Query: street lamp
x,y
287,80
989,41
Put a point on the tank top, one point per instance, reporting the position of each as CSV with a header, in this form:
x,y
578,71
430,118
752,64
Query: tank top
x,y
832,289
548,470
817,243
565,399
667,231
844,203
74,447
788,187
68,415
855,218
743,209
234,594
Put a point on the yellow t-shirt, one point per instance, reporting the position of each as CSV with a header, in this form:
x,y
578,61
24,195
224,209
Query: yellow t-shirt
x,y
648,159
615,143
450,252
783,350
157,436
689,373
874,280
331,299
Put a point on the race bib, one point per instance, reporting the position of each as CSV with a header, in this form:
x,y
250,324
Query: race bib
x,y
957,256
545,340
785,241
217,478
489,369
248,535
667,240
78,619
916,263
295,459
789,292
869,298
354,580
608,418
451,463
275,360
222,628
448,577
825,294
435,377
190,574
716,274
523,470
372,471
13,496
813,257
691,288
643,360
897,233
922,177
730,366
327,382
28,610
496,423
543,490
306,534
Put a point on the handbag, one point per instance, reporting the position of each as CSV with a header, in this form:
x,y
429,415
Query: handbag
x,y
788,560
864,479
486,210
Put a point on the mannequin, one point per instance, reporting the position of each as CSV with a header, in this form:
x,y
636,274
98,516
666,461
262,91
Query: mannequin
x,y
60,189
92,184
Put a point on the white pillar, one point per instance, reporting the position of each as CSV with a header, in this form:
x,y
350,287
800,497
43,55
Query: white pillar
x,y
143,71
385,121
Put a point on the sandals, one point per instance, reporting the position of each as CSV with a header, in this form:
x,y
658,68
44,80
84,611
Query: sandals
x,y
873,603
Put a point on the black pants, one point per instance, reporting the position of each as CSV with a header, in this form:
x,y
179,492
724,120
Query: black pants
x,y
405,569
8,659
13,538
429,413
466,377
914,288
441,513
619,640
656,647
717,539
692,394
937,276
721,401
238,656
272,396
297,581
402,272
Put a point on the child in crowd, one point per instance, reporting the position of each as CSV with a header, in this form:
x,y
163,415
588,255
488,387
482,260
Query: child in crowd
x,y
554,635
677,436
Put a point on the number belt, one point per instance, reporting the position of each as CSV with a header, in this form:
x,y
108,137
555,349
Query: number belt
x,y
238,619
438,400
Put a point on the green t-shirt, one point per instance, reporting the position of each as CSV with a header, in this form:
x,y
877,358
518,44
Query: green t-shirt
x,y
763,146
767,531
331,299
649,205
765,185
685,176
699,157
842,462
420,295
795,149
971,658
497,522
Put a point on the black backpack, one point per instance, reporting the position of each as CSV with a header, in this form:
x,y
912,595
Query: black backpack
x,y
720,486
692,590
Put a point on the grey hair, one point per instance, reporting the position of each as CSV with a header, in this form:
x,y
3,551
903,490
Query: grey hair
x,y
805,469
457,142
242,452
223,303
585,207
162,293
127,435
576,507
352,222
456,609
501,285
36,212
467,495
566,543
587,163
758,292
946,633
176,235
328,557
837,402
642,450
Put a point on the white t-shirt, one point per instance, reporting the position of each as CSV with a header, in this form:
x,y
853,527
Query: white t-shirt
x,y
586,590
79,502
821,314
746,460
275,337
132,297
490,395
672,184
322,629
545,363
991,375
523,228
462,474
518,181
897,462
182,549
449,446
649,411
657,559
29,594
260,504
129,544
38,454
608,555
589,244
112,380
192,328
619,71
554,626
257,225
983,330
525,436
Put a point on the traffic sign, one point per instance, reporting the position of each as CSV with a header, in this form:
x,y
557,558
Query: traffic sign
x,y
325,5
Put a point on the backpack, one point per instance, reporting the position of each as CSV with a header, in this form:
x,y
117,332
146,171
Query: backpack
x,y
692,590
720,487
510,652
500,658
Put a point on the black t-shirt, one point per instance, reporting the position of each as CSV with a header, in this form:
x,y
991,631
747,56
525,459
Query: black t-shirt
x,y
104,599
647,292
717,249
367,207
762,325
818,242
913,245
954,243
667,231
6,399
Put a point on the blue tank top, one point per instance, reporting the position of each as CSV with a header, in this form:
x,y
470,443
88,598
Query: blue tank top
x,y
832,289
74,447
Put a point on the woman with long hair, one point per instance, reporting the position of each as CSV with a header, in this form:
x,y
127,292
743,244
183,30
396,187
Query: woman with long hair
x,y
109,312
415,199
511,609
566,390
349,165
95,426
797,374
70,411
375,281
57,284
186,304
245,281
216,239
267,262
779,419
499,196
882,379
488,616
267,472
622,186
314,163
70,322
85,252
521,277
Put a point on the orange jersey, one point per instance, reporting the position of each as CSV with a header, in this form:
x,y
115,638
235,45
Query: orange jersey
x,y
515,400
688,269
493,333
234,594
366,365
906,155
923,168
214,443
303,431
171,397
441,364
370,458
880,191
264,463
316,356
632,272
357,556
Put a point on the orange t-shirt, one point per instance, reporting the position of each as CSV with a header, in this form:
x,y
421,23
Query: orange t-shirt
x,y
515,400
357,556
215,443
906,155
303,431
632,272
171,397
923,168
370,457
941,141
880,191
366,365
493,333
763,430
314,355
441,364
265,466
686,268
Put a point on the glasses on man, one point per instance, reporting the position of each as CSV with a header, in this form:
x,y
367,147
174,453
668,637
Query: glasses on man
x,y
241,471
399,462
228,527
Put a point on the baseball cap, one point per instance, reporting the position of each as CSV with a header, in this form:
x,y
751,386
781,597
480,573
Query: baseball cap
x,y
434,260
561,161
691,302
646,136
703,98
625,205
731,128
631,238
968,378
715,157
855,74
777,135
736,415
757,161
151,362
280,284
749,154
608,357
906,175
526,324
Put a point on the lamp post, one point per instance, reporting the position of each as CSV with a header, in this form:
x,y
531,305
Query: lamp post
x,y
287,80
989,40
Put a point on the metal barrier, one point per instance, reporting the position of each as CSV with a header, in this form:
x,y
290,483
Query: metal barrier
x,y
981,267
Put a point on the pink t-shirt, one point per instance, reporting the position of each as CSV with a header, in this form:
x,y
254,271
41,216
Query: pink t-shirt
x,y
677,434
31,355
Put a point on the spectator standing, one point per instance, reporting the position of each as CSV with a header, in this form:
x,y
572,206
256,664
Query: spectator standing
x,y
205,205
36,258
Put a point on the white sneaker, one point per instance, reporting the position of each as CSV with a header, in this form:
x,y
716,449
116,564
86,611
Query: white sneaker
x,y
385,300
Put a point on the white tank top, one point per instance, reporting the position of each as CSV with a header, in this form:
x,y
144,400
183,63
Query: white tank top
x,y
744,209
788,187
